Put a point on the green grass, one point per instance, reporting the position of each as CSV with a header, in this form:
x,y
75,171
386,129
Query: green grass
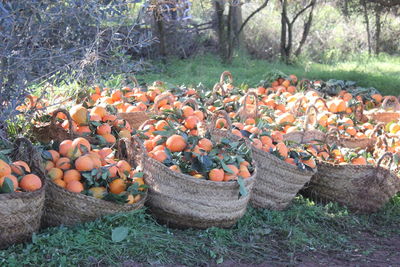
x,y
260,236
383,73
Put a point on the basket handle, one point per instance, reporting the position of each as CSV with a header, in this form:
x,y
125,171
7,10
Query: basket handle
x,y
66,113
308,113
387,154
305,83
147,122
243,114
191,101
24,148
378,127
298,103
134,80
388,98
226,74
359,111
334,133
322,100
165,96
217,114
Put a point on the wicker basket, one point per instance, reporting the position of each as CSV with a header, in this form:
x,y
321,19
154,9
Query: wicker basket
x,y
307,134
182,201
20,213
384,115
363,189
47,132
136,119
67,208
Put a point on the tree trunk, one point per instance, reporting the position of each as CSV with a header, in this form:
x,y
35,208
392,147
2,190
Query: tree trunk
x,y
365,9
378,26
219,11
283,31
161,37
230,36
237,20
306,31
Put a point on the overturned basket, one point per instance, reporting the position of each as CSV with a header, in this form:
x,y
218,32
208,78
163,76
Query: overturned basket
x,y
20,213
67,208
182,201
363,189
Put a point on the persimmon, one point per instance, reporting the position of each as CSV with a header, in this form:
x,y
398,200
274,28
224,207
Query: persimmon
x,y
64,147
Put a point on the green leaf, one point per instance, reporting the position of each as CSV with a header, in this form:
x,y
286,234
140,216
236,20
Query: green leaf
x,y
220,260
47,155
8,186
226,168
119,234
139,174
242,188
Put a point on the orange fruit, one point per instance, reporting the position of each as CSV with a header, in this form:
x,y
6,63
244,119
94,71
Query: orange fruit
x,y
104,152
266,140
30,182
75,187
310,163
191,122
205,144
175,168
109,138
81,142
290,161
99,111
55,173
74,153
176,143
282,149
159,155
12,178
98,192
63,163
72,175
359,161
149,145
277,136
160,125
123,166
64,147
54,155
47,165
103,129
216,175
199,114
187,111
20,167
221,123
244,172
60,183
133,199
113,170
79,114
117,186
5,169
84,163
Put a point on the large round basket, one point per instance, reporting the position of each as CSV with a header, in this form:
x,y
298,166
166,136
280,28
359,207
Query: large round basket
x,y
385,115
182,201
363,189
68,208
20,213
277,181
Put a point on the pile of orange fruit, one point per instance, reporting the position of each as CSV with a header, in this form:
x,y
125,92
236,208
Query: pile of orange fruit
x,y
78,168
17,177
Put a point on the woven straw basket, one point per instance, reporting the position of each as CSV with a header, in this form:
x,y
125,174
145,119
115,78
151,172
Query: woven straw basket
x,y
307,134
277,181
385,115
136,119
182,201
363,189
47,132
20,213
67,208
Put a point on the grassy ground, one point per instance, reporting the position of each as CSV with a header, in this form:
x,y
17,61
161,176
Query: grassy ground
x,y
260,236
382,73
